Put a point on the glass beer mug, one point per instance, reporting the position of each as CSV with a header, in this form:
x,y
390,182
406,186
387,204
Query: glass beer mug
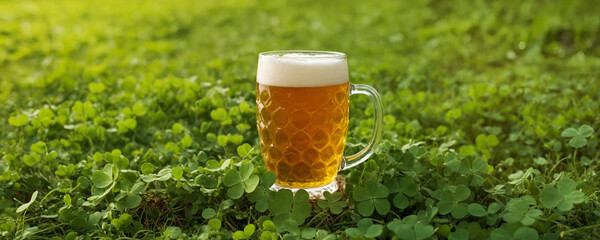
x,y
302,102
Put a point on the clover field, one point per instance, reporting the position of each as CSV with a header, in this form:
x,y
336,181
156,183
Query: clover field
x,y
136,119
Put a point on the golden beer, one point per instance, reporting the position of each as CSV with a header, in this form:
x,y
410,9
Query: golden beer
x,y
302,118
302,132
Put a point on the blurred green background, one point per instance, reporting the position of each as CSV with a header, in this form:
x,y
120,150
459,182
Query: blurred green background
x,y
435,39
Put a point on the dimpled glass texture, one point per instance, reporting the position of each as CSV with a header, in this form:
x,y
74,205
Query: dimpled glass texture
x,y
302,132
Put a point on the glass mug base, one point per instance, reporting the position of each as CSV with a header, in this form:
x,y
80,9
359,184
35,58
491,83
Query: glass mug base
x,y
313,193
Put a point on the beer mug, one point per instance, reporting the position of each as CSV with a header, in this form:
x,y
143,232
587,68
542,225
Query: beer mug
x,y
302,100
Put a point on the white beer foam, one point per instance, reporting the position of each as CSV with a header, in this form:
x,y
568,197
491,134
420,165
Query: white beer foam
x,y
302,70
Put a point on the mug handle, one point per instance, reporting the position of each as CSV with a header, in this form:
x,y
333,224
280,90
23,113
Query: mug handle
x,y
363,155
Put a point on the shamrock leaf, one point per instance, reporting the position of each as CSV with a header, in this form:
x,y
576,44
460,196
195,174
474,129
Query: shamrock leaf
x,y
214,224
83,111
471,166
578,137
133,201
218,114
39,147
459,234
18,121
332,201
451,201
262,195
32,159
366,228
123,221
172,233
475,209
147,168
514,232
563,196
241,181
139,109
410,228
4,167
285,206
482,141
177,173
519,210
246,234
245,150
26,205
101,179
405,188
96,87
372,197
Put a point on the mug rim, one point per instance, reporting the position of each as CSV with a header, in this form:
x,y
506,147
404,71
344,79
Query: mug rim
x,y
309,54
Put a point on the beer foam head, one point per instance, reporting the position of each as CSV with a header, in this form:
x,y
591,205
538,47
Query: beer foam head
x,y
302,68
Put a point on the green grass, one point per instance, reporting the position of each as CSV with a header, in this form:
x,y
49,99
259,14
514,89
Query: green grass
x,y
125,117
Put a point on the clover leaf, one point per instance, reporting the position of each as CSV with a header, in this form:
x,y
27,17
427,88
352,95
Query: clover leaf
x,y
215,166
218,114
101,179
578,136
163,175
475,209
410,228
4,167
366,228
240,181
563,196
26,205
139,109
147,168
520,210
262,195
32,159
471,166
39,147
459,234
18,121
451,201
214,224
513,232
177,173
96,87
287,206
172,232
269,231
482,141
245,150
371,197
123,221
405,187
129,198
332,202
246,234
